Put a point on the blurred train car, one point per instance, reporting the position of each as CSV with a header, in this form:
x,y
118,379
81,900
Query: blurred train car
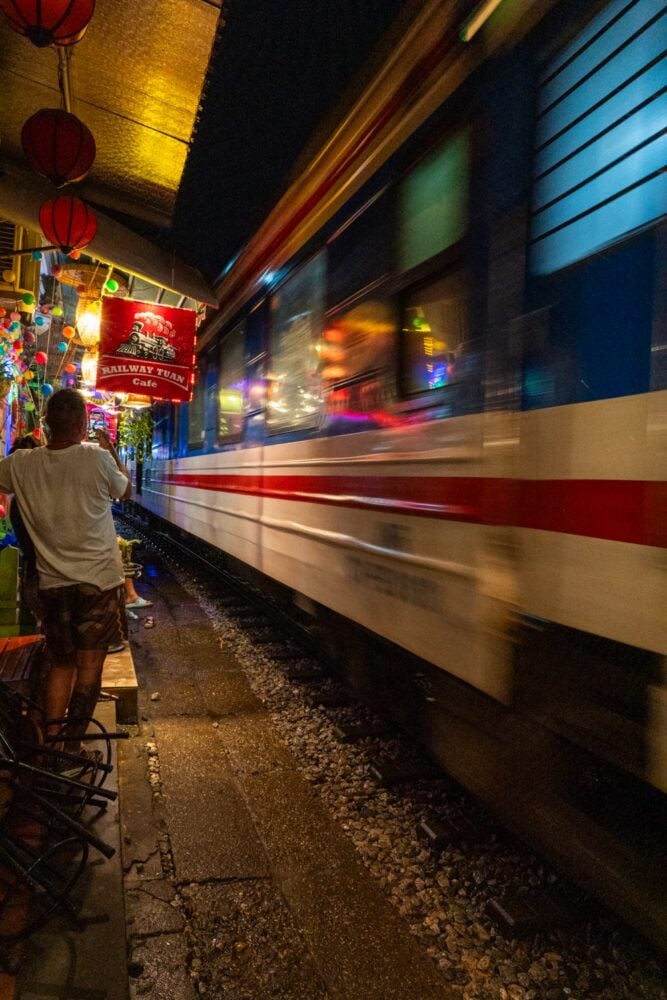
x,y
433,403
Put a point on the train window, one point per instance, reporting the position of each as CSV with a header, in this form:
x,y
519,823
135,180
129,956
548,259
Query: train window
x,y
176,423
295,385
357,340
433,202
161,429
231,386
599,162
196,424
435,336
360,252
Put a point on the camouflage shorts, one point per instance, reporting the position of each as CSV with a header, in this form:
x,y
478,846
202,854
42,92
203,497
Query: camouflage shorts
x,y
81,617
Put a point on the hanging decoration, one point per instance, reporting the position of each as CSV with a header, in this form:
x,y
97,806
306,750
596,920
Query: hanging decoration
x,y
89,368
49,22
58,146
67,222
146,348
88,328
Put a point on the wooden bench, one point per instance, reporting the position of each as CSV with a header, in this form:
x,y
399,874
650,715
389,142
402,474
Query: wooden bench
x,y
21,658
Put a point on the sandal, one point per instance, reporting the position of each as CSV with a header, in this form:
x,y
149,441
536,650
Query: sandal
x,y
140,602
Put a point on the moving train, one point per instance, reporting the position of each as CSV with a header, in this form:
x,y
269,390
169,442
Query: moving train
x,y
432,407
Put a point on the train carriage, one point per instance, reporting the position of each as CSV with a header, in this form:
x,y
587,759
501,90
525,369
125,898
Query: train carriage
x,y
433,401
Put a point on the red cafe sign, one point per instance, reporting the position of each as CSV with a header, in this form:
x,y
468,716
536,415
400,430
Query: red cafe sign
x,y
146,349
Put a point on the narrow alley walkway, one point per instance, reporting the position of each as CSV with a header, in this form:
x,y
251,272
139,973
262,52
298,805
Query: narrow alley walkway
x,y
238,884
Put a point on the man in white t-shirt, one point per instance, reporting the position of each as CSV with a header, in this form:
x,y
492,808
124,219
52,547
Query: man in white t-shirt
x,y
64,494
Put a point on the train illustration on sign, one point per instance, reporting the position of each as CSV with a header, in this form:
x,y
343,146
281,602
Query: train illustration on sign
x,y
147,340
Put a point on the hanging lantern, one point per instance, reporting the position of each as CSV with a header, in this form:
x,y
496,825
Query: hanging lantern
x,y
88,328
67,222
89,368
49,22
58,146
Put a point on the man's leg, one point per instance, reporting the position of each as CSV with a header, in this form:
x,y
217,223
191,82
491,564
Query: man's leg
x,y
89,663
58,688
96,622
61,672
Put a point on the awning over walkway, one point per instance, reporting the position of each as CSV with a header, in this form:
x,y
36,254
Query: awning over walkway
x,y
21,194
135,79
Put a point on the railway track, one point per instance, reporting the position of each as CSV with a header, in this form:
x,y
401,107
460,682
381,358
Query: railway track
x,y
441,842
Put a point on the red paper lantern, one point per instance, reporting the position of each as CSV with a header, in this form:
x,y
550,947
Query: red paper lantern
x,y
46,22
58,146
67,222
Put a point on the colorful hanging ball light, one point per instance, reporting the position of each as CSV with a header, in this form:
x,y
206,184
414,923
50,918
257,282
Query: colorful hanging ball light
x,y
15,316
3,510
62,346
39,321
41,358
37,433
56,270
67,222
28,299
15,327
46,390
29,406
9,276
81,289
57,310
58,146
49,22
18,345
36,255
3,312
111,285
28,337
70,369
68,332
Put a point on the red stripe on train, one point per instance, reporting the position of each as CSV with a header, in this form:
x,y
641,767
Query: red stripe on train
x,y
624,510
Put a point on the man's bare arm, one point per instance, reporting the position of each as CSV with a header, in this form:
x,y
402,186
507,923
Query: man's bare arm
x,y
105,443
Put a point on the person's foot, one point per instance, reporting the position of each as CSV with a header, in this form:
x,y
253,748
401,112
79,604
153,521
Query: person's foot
x,y
116,647
139,602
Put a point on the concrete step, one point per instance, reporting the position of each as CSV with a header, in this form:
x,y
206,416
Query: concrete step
x,y
120,680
